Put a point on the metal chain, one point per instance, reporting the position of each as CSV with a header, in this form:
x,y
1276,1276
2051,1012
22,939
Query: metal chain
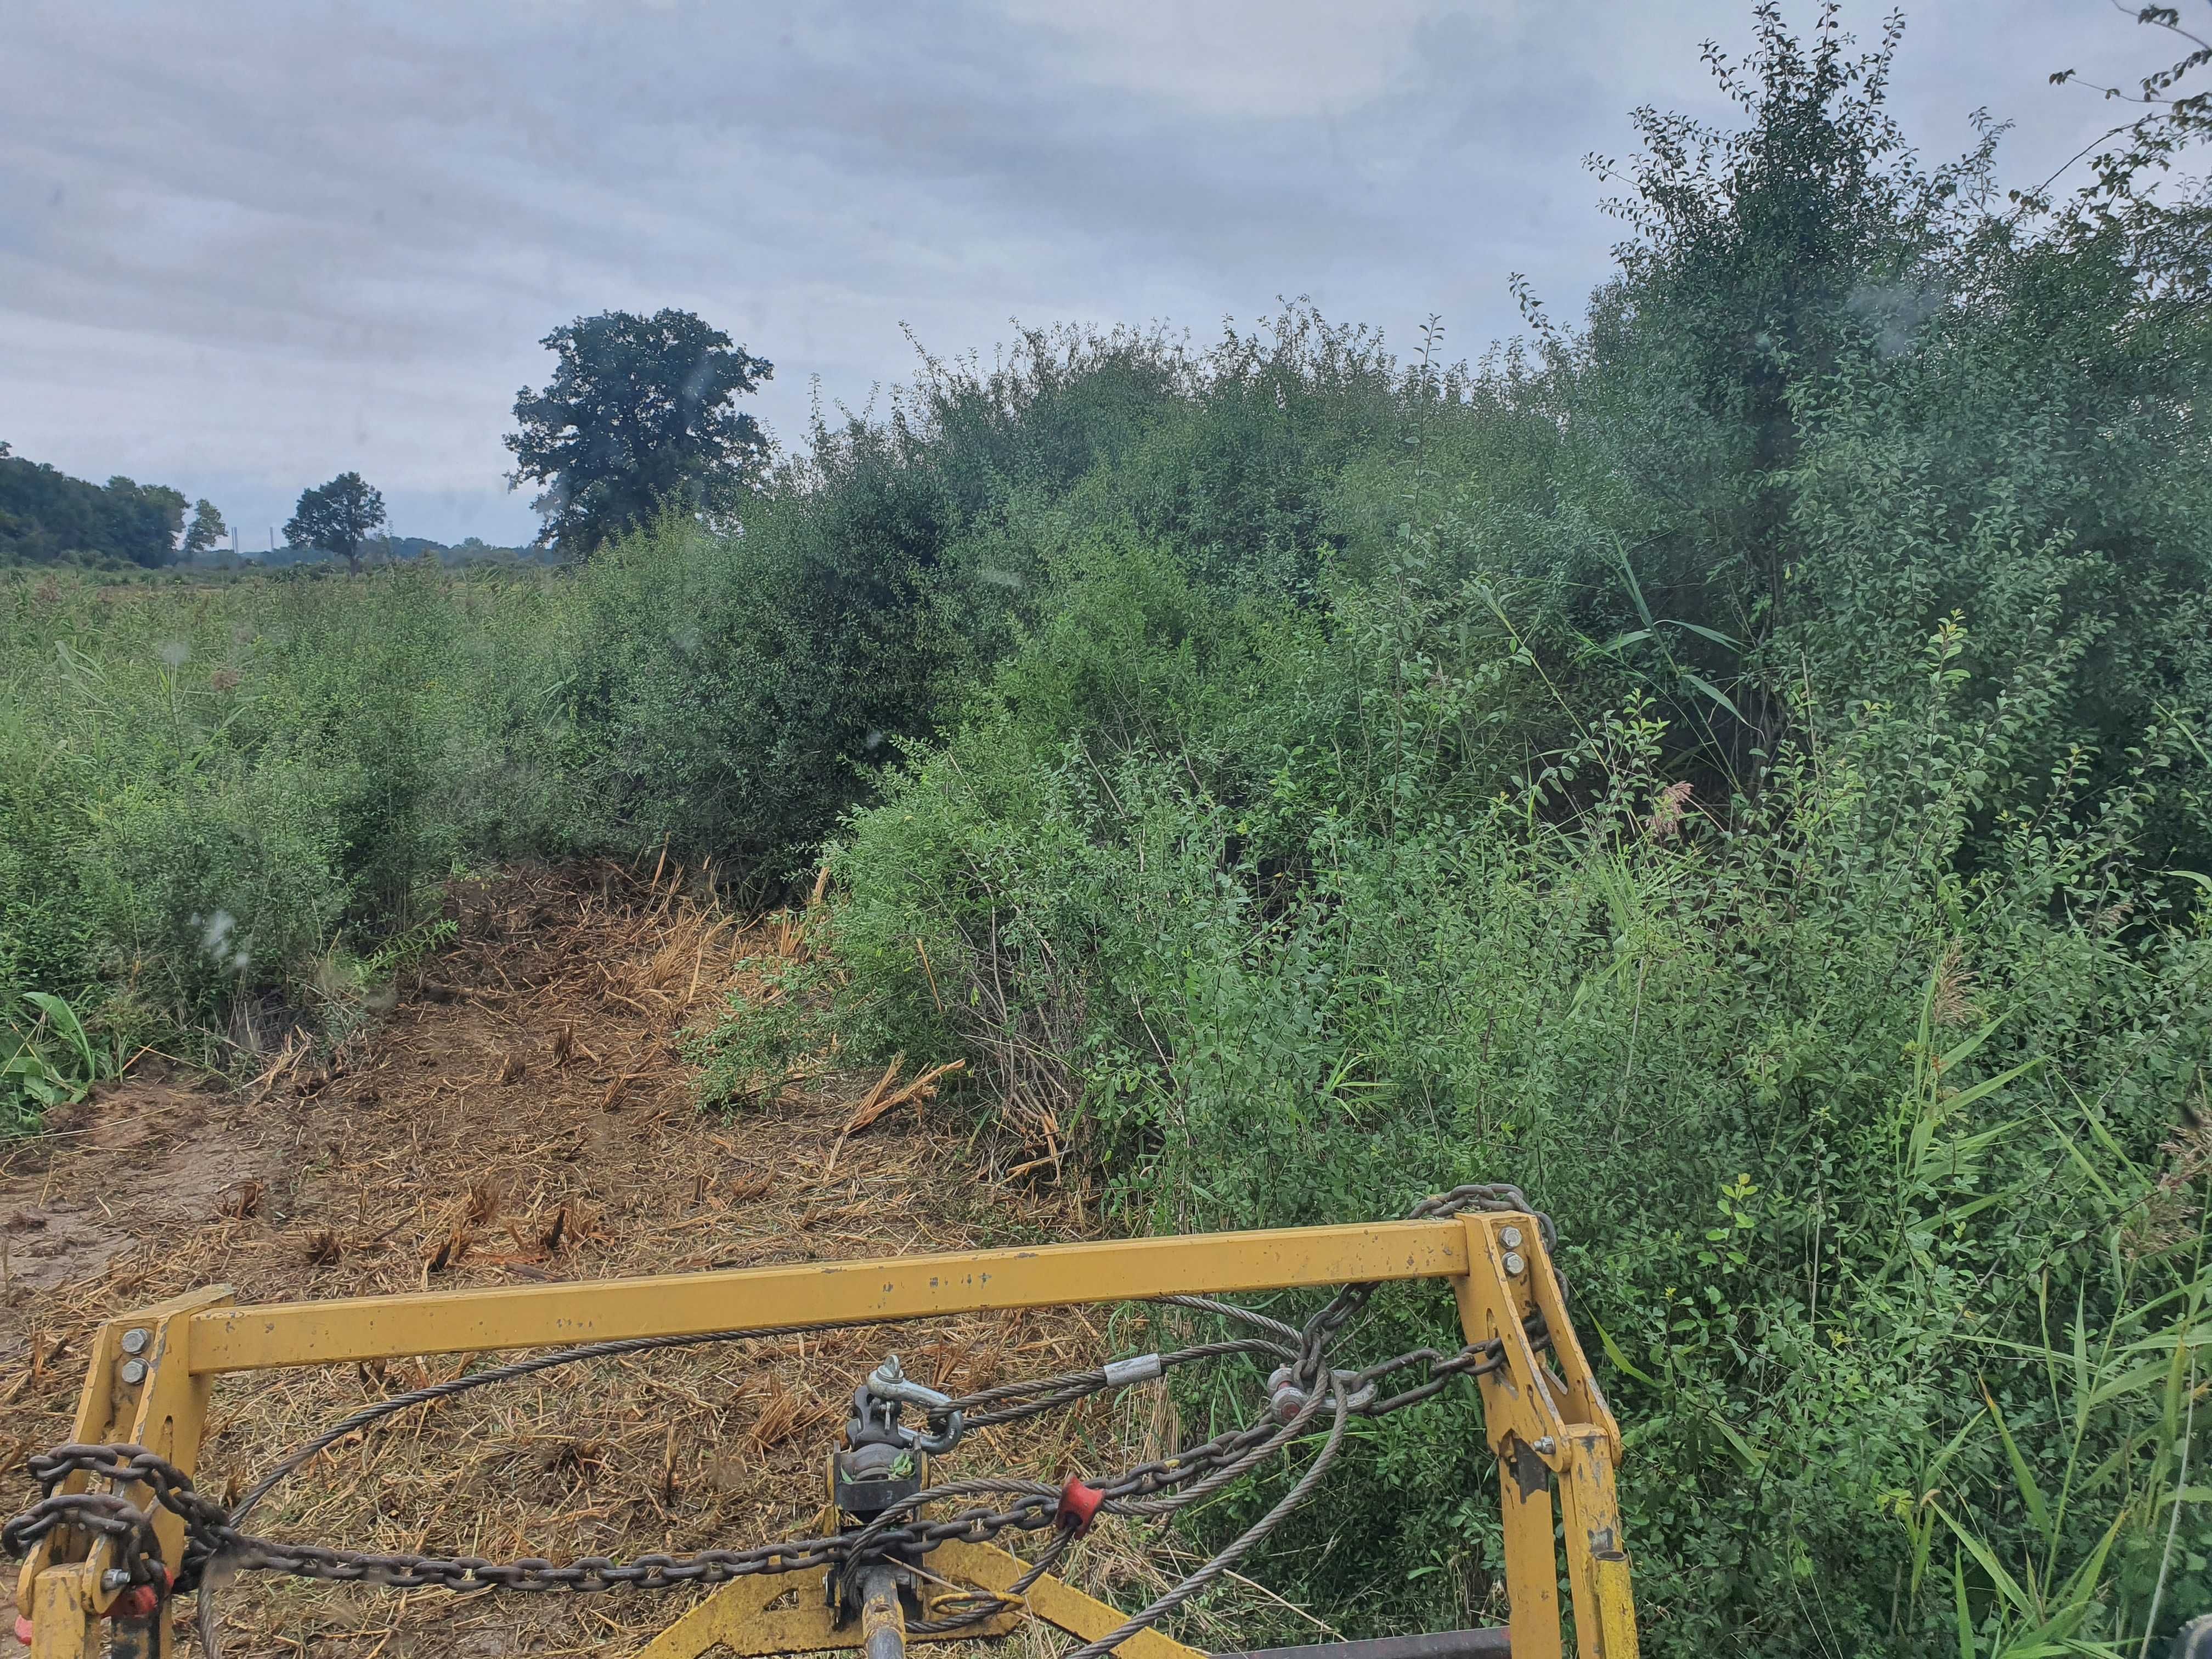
x,y
1161,1487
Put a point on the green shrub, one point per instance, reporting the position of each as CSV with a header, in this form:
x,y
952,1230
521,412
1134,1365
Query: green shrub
x,y
1839,1142
767,1036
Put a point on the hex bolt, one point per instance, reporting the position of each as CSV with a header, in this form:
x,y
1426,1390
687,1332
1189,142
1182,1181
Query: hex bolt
x,y
1509,1236
134,1371
1514,1264
1545,1446
136,1341
114,1578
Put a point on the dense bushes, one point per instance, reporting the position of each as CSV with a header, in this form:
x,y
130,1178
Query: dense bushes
x,y
1836,1138
1737,767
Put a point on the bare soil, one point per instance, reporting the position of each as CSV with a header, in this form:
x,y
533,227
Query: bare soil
x,y
170,1156
524,1113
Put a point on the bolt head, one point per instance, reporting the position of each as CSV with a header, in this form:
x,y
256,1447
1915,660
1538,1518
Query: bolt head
x,y
1514,1263
1545,1446
135,1341
114,1578
134,1371
1509,1236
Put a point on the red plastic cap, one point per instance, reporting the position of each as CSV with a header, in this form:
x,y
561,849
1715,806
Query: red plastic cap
x,y
23,1630
136,1603
1079,1506
140,1600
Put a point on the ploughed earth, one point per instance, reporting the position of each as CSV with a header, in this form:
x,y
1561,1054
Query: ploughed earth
x,y
524,1114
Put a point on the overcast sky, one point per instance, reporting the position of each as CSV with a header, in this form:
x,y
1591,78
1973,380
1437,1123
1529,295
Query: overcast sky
x,y
244,248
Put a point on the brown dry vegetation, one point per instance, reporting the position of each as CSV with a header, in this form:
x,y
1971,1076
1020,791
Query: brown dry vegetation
x,y
523,1114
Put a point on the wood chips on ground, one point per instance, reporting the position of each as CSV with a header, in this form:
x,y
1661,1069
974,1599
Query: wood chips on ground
x,y
524,1115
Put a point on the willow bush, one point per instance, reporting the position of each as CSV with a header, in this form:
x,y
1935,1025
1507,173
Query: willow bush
x,y
1737,767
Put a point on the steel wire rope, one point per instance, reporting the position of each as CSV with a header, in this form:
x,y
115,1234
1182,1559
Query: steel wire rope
x,y
214,1539
1237,1548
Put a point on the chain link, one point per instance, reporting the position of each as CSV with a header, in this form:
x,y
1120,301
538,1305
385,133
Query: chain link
x,y
1154,1488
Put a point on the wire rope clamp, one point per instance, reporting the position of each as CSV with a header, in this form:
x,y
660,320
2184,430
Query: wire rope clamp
x,y
1079,1506
1140,1368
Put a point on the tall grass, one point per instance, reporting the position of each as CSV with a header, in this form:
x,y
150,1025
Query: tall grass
x,y
213,794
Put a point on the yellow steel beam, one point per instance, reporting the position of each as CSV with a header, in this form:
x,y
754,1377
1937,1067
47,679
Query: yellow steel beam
x,y
64,1622
95,1424
1532,1558
1054,1600
152,1370
739,1616
1597,1565
139,1390
167,1409
1545,1423
237,1339
734,1616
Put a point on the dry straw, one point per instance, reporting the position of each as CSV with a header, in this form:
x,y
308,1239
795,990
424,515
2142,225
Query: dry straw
x,y
524,1115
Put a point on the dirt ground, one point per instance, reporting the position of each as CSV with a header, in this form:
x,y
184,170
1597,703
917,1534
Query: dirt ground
x,y
524,1113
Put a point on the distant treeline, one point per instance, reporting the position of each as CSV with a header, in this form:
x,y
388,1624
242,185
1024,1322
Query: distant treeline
x,y
47,517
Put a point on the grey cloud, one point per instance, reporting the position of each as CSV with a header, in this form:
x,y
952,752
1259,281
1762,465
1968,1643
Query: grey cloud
x,y
243,246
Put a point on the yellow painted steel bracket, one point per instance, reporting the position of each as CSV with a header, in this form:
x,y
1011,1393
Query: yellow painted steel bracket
x,y
1548,1425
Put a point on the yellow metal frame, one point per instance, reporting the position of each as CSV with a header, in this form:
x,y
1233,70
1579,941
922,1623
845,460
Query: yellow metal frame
x,y
1547,1425
743,1615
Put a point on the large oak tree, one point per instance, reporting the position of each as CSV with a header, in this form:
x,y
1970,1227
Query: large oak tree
x,y
635,421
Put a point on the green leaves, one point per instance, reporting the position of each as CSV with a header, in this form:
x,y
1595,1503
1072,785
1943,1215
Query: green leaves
x,y
1786,1092
47,1060
2031,1490
770,1033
